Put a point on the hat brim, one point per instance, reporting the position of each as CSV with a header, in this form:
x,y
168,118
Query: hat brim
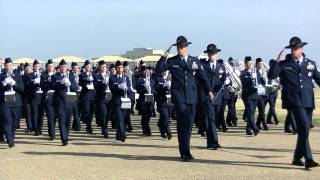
x,y
213,51
184,44
297,46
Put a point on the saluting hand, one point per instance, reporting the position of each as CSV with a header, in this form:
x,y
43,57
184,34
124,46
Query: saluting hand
x,y
280,56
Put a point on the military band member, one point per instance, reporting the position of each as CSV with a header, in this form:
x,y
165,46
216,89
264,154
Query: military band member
x,y
87,95
33,86
26,104
145,85
127,71
250,95
101,84
75,71
62,83
231,118
272,99
185,69
119,84
162,88
47,98
10,82
296,73
262,80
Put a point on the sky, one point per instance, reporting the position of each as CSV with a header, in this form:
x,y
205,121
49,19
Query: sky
x,y
46,29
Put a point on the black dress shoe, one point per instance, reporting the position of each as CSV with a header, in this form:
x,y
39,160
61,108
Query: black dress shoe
x,y
297,162
265,128
65,143
249,133
270,122
310,163
89,130
288,131
203,134
255,133
51,138
184,157
106,135
259,127
37,133
169,136
311,126
213,146
11,145
190,156
276,122
225,129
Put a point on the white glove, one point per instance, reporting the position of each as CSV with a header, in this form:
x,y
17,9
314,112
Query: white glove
x,y
122,86
66,81
167,84
254,75
133,90
12,83
227,81
36,81
105,81
6,81
79,88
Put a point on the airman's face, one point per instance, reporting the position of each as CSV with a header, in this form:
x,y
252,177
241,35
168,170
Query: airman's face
x,y
63,68
297,52
36,67
259,66
248,65
213,56
103,68
50,67
182,50
8,67
119,69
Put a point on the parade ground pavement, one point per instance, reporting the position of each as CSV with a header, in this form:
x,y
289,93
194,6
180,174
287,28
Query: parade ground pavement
x,y
266,156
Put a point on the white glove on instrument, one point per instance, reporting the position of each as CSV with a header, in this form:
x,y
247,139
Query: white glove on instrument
x,y
66,82
122,86
13,82
36,81
254,75
167,84
105,81
6,81
227,81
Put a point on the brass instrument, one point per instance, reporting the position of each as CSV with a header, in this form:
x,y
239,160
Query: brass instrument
x,y
235,88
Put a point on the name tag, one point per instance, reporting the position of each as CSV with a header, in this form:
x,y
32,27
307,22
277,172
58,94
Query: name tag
x,y
288,68
176,66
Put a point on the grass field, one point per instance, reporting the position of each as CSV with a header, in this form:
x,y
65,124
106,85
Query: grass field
x,y
282,112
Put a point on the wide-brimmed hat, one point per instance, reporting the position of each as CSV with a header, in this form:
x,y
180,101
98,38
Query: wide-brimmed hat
x,y
295,42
